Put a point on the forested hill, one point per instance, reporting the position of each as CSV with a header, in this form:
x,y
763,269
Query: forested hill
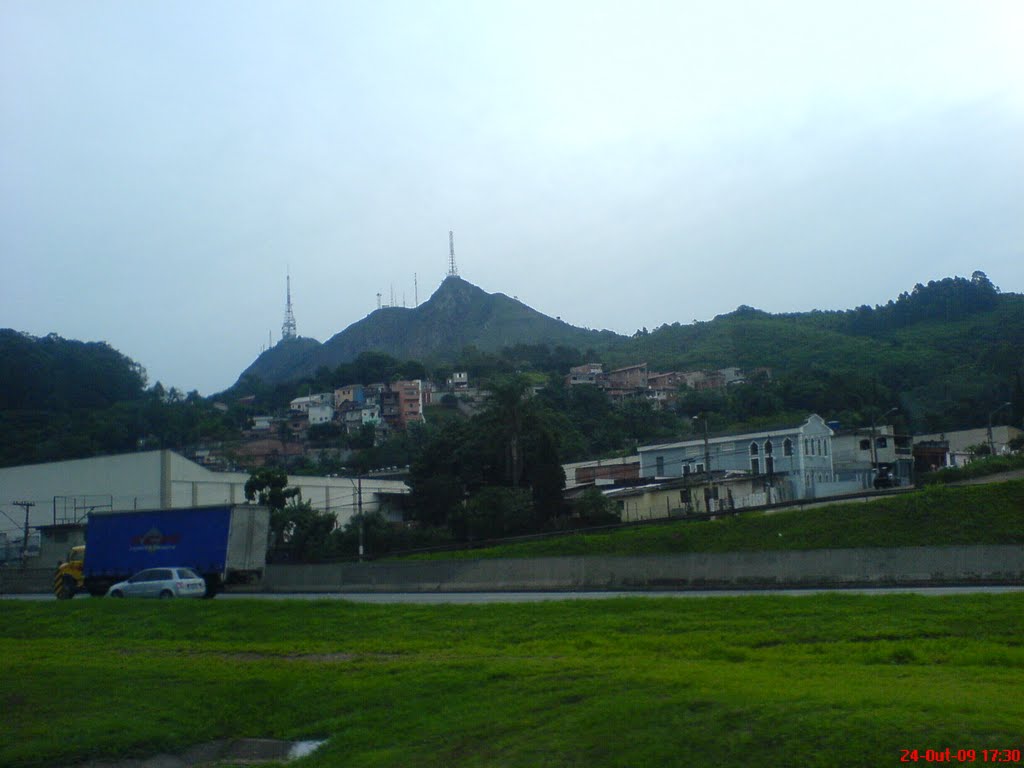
x,y
56,374
457,315
65,399
946,353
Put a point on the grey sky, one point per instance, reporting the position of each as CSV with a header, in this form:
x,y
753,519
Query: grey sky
x,y
619,165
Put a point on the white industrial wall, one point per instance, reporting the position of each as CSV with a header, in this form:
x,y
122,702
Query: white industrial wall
x,y
133,480
155,479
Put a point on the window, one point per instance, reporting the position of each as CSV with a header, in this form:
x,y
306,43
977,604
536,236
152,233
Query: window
x,y
881,442
769,464
686,469
700,468
807,451
768,448
660,461
787,447
755,467
825,444
684,496
865,445
753,449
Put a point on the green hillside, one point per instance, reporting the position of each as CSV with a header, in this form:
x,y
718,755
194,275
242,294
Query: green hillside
x,y
936,516
944,354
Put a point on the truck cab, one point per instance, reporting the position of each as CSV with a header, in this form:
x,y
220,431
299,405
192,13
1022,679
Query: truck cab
x,y
69,577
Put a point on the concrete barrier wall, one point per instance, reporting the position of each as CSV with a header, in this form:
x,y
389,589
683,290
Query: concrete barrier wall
x,y
22,581
828,567
822,567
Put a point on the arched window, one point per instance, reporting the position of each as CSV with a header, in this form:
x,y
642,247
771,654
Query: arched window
x,y
768,448
753,449
787,447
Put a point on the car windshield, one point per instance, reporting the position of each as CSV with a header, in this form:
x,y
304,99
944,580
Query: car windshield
x,y
187,573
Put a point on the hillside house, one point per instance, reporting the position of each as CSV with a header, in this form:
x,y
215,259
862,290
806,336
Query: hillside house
x,y
719,492
799,456
458,380
589,373
354,416
302,404
352,393
864,455
320,414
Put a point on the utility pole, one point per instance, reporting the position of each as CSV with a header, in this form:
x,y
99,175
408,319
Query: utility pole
x,y
707,461
24,542
360,507
991,442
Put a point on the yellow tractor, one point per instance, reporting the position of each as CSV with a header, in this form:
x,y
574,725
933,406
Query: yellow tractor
x,y
69,578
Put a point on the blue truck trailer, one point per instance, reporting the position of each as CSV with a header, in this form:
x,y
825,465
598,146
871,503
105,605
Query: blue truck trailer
x,y
227,544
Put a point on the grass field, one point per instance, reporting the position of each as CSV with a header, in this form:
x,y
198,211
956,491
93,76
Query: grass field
x,y
934,516
832,680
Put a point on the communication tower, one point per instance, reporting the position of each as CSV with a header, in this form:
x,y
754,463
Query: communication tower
x,y
452,271
288,327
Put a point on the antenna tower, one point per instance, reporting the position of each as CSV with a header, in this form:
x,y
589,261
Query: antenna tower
x,y
378,299
452,271
288,327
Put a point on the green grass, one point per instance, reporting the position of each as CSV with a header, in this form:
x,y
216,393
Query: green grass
x,y
982,467
934,516
761,681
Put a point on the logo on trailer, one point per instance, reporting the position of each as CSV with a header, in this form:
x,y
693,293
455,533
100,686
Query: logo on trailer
x,y
153,540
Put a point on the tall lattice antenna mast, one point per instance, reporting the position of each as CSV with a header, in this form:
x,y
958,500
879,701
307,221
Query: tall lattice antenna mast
x,y
288,327
452,271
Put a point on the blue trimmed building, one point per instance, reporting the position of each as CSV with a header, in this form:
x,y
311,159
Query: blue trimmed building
x,y
796,461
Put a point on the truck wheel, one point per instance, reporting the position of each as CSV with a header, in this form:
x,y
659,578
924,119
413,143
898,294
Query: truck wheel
x,y
65,588
166,594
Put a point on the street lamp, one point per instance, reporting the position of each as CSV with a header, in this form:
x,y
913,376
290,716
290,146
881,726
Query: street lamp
x,y
991,444
874,441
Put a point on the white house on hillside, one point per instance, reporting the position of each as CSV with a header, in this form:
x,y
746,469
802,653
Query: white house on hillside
x,y
800,456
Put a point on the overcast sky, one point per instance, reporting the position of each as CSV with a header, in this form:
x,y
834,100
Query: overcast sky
x,y
162,165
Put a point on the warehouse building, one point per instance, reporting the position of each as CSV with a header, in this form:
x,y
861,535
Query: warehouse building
x,y
64,492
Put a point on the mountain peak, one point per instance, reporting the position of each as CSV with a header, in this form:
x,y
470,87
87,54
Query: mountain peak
x,y
457,315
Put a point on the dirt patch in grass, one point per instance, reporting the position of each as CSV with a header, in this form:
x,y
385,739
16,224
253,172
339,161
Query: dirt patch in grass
x,y
221,752
322,658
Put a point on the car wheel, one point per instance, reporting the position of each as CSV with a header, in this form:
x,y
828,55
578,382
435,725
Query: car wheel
x,y
117,593
166,594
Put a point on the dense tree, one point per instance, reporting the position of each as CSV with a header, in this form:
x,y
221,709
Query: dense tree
x,y
510,445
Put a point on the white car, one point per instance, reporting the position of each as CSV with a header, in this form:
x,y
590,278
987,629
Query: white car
x,y
162,583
